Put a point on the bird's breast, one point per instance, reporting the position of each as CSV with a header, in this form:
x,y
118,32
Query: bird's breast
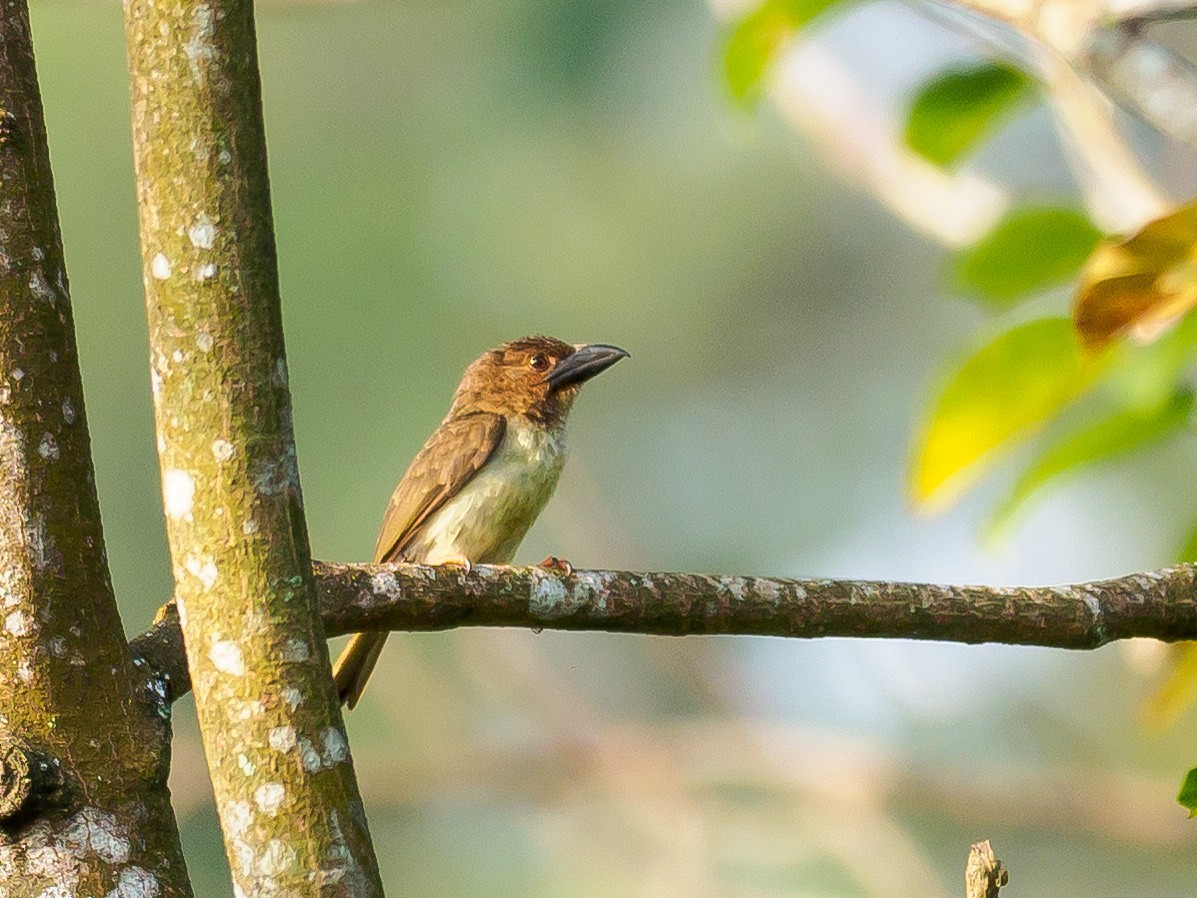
x,y
487,519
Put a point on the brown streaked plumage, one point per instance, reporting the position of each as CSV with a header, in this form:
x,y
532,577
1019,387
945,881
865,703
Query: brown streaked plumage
x,y
476,486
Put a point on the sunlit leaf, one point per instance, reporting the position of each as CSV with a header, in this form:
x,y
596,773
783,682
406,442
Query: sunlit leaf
x,y
1116,435
1146,374
996,398
1140,285
1029,250
1188,553
754,41
1178,691
958,109
1188,793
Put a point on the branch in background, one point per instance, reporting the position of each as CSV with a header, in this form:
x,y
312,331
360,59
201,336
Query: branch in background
x,y
1120,194
1049,36
1068,44
84,751
818,96
1108,42
269,715
1146,77
650,771
1160,604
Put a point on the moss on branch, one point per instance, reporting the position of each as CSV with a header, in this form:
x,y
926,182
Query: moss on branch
x,y
271,725
85,804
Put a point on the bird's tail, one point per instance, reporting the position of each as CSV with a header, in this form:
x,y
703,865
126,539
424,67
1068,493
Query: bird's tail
x,y
354,666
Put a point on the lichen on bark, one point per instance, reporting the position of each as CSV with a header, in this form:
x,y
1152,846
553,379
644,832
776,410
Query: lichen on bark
x,y
353,597
272,729
70,693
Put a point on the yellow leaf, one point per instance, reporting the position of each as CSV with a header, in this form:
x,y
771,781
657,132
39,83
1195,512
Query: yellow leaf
x,y
1142,285
997,397
1177,693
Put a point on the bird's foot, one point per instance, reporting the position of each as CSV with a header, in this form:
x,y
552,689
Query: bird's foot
x,y
459,561
557,565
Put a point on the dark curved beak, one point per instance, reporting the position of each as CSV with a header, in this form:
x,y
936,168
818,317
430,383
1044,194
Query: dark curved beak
x,y
584,363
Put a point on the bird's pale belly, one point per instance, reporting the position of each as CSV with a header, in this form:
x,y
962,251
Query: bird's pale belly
x,y
486,521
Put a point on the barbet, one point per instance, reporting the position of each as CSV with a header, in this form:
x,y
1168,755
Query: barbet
x,y
476,486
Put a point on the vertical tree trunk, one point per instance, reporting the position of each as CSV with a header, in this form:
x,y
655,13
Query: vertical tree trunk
x,y
84,808
275,742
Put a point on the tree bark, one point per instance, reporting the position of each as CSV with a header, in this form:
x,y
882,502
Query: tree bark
x,y
984,874
84,808
285,789
1157,604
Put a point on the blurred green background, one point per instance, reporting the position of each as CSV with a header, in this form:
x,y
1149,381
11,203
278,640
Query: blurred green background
x,y
450,175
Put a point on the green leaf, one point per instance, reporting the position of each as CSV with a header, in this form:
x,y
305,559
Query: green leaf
x,y
1031,249
958,109
754,41
1188,552
1118,434
996,398
1145,375
1187,798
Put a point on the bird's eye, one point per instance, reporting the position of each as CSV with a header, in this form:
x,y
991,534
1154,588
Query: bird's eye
x,y
539,362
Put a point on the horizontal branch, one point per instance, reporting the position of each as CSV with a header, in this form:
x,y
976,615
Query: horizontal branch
x,y
1159,604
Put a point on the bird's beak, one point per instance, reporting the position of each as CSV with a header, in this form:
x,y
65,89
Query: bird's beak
x,y
584,363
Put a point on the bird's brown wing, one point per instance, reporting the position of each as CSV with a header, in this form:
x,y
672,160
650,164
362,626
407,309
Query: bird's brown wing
x,y
454,453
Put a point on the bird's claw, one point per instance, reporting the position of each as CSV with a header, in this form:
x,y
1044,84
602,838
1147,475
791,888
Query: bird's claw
x,y
557,565
460,561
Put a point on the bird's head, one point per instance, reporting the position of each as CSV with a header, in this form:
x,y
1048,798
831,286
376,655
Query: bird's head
x,y
538,377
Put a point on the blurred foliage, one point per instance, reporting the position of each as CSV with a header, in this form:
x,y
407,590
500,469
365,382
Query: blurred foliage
x,y
1188,793
1140,285
1026,378
1188,551
568,44
755,39
1119,433
958,109
1030,249
1024,381
1177,693
999,395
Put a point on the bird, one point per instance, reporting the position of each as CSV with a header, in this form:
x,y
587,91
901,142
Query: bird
x,y
475,488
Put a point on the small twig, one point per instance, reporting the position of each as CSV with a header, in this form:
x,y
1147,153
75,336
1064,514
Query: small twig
x,y
984,874
1109,42
1160,604
1146,77
818,96
1120,194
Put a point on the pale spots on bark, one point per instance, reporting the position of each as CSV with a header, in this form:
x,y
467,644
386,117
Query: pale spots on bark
x,y
226,447
69,687
1158,604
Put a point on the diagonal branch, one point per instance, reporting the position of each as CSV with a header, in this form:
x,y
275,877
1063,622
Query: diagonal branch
x,y
1158,604
818,96
1145,76
1108,41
